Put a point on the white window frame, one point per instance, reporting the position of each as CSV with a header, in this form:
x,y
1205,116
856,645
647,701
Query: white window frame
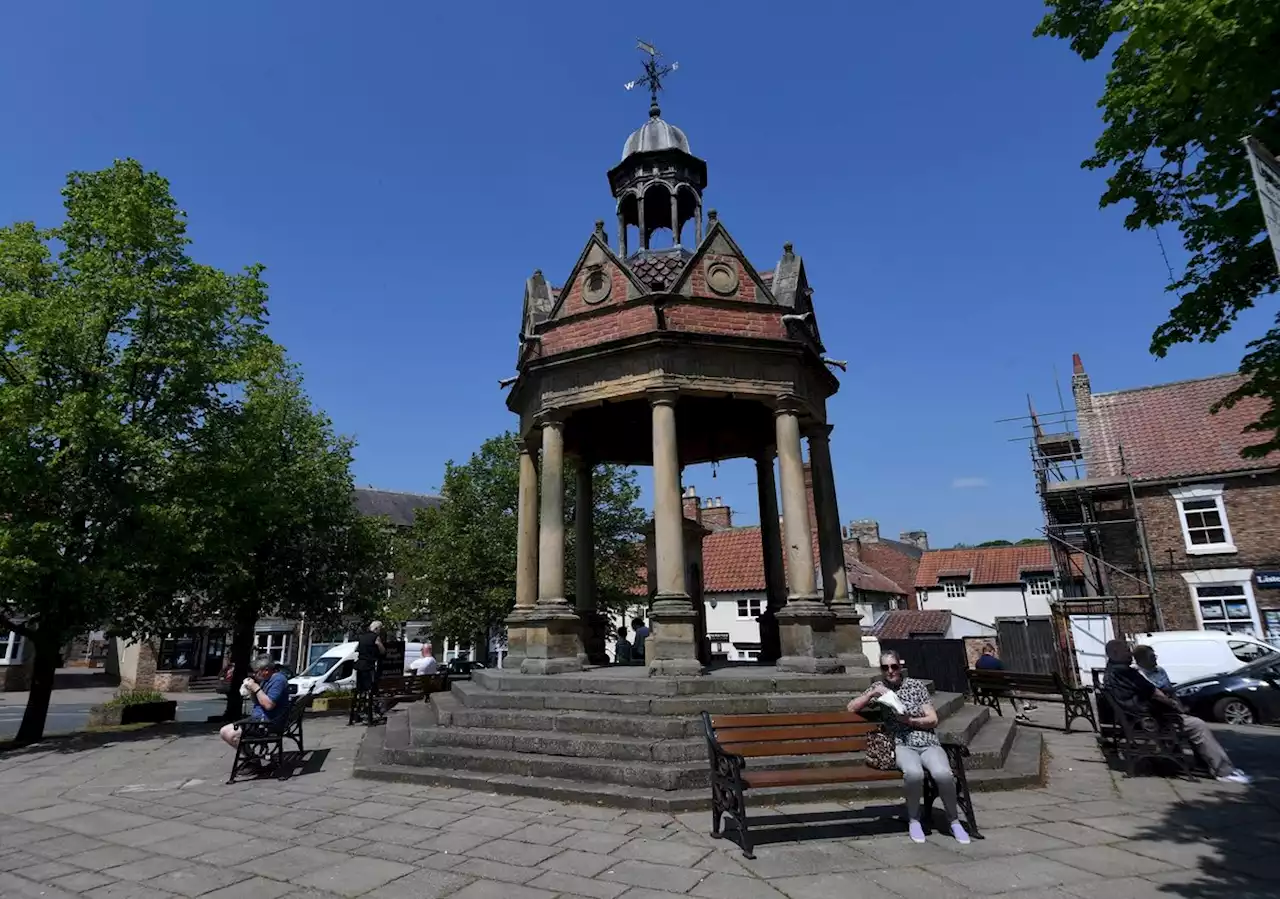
x,y
1203,492
278,644
1041,584
922,595
13,649
748,603
955,587
1225,577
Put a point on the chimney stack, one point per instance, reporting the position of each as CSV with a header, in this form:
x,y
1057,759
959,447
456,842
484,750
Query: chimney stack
x,y
716,515
866,530
691,503
1081,392
918,539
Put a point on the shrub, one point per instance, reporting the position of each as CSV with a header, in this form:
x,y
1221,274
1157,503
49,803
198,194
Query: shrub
x,y
134,697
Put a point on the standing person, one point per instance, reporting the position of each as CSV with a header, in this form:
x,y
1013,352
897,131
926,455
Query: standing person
x,y
369,655
989,661
426,663
269,690
642,634
1133,692
916,742
621,648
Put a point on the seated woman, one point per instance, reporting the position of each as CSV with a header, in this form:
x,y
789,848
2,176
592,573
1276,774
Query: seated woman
x,y
917,745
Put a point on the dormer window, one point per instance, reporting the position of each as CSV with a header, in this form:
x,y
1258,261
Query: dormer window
x,y
955,587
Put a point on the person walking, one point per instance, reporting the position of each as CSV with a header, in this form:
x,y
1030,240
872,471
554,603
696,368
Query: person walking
x,y
369,655
917,747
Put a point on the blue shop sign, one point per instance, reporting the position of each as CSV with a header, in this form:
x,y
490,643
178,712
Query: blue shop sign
x,y
1267,580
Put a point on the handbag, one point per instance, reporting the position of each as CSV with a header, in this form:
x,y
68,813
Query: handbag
x,y
881,751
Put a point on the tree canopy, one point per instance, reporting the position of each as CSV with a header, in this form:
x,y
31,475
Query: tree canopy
x,y
1189,79
459,560
117,350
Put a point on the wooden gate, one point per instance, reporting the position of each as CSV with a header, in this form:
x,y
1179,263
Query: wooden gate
x,y
1028,645
931,658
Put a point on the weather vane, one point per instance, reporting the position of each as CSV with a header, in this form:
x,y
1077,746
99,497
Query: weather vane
x,y
653,75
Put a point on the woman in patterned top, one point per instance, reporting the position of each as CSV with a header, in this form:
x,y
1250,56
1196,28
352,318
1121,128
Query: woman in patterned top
x,y
918,747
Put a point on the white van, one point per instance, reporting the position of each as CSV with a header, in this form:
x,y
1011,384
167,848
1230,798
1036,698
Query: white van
x,y
335,670
1189,655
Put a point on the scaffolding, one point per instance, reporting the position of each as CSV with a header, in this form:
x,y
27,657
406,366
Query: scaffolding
x,y
1094,527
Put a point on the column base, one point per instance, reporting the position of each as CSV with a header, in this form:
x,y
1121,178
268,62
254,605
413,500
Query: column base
x,y
671,649
517,639
806,628
848,636
553,640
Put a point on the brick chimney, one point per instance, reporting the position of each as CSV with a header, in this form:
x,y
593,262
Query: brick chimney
x,y
716,515
691,503
918,539
865,529
1081,392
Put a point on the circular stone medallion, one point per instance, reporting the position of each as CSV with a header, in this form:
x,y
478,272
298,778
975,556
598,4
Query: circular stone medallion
x,y
722,278
596,286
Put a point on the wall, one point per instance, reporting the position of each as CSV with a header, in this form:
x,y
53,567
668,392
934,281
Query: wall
x,y
986,604
724,619
1253,515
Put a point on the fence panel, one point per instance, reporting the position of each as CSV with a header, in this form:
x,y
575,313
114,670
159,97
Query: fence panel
x,y
1028,645
930,658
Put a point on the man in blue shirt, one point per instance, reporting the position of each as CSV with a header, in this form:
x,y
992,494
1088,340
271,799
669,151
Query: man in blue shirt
x,y
269,691
988,661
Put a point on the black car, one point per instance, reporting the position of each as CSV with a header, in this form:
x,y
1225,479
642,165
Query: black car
x,y
1248,695
460,669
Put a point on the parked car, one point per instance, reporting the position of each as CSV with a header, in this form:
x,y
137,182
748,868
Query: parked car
x,y
1248,695
335,670
1191,655
460,669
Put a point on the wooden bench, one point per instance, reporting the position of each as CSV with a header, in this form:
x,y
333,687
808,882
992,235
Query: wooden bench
x,y
426,684
261,744
989,687
733,739
1135,739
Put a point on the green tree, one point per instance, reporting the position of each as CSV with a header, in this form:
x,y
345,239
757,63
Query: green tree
x,y
117,347
274,522
1189,79
460,559
1031,541
994,543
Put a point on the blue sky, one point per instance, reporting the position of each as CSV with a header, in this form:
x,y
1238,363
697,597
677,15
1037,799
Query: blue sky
x,y
401,168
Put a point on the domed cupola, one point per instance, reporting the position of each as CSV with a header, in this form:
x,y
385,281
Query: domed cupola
x,y
659,182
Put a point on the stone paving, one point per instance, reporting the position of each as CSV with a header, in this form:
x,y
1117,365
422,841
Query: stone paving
x,y
148,815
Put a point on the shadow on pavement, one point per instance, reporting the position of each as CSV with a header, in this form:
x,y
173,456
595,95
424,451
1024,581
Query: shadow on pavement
x,y
791,827
82,678
84,742
1233,833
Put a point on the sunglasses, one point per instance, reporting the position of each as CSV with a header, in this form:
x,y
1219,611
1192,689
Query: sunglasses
x,y
894,667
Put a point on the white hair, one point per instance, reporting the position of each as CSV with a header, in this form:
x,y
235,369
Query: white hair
x,y
375,626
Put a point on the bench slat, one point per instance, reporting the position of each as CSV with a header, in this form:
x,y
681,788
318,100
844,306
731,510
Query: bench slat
x,y
798,747
1014,678
800,719
817,732
804,776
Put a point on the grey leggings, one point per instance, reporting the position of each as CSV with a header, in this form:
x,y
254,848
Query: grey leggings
x,y
913,761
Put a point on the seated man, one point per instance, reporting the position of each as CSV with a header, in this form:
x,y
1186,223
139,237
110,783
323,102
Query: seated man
x,y
1145,657
269,691
1138,696
426,664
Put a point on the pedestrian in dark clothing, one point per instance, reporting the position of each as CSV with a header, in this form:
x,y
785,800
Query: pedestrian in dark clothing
x,y
369,655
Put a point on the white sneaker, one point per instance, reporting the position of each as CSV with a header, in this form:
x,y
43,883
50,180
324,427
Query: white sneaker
x,y
916,830
958,831
1235,777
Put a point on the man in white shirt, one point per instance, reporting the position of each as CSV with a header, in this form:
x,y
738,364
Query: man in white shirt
x,y
426,664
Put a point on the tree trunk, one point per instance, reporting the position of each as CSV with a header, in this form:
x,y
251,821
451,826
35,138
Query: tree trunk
x,y
46,666
241,655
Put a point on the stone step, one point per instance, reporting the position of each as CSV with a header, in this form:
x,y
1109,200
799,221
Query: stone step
x,y
473,695
961,722
1023,768
634,682
989,748
452,713
575,745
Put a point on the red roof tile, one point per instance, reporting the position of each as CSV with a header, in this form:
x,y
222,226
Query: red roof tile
x,y
989,565
899,567
903,624
1167,431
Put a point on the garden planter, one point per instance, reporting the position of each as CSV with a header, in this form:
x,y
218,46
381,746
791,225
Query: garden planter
x,y
142,713
336,704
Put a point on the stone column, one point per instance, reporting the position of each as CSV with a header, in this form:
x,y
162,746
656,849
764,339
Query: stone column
x,y
622,235
697,215
675,221
806,627
593,623
835,578
526,559
644,238
553,642
771,544
670,648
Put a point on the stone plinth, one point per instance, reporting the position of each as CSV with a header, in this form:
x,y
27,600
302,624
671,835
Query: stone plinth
x,y
806,628
672,648
552,640
848,636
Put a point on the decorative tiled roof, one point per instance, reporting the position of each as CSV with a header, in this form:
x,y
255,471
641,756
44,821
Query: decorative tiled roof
x,y
658,269
1167,431
985,566
906,623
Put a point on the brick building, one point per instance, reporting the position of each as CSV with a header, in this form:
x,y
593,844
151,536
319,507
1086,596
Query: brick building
x,y
1174,529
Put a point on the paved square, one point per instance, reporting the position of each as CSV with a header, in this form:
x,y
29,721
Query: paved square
x,y
147,814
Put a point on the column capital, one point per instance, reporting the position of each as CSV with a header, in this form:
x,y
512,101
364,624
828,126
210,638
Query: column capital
x,y
662,397
818,431
788,404
551,418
